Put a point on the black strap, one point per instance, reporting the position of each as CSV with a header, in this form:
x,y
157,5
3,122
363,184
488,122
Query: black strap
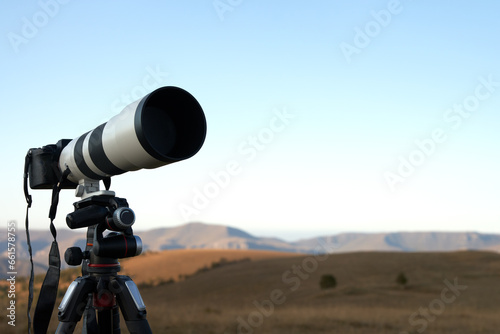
x,y
48,292
28,206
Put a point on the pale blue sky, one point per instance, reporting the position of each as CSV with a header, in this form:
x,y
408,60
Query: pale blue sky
x,y
359,83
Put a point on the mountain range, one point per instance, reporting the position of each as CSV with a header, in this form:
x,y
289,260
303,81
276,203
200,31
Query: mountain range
x,y
208,236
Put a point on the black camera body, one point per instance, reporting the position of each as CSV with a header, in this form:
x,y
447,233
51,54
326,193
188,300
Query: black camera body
x,y
44,171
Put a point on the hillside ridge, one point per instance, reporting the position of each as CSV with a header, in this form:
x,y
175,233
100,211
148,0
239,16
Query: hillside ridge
x,y
199,235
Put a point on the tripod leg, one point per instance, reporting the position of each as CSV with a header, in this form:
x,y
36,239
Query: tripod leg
x,y
90,319
109,321
130,301
73,304
108,316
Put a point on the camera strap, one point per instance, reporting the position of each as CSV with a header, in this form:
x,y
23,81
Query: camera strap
x,y
29,200
48,291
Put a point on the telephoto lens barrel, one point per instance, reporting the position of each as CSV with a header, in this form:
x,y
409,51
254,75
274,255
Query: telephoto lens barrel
x,y
166,126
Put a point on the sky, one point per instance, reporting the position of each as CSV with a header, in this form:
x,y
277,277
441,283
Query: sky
x,y
322,117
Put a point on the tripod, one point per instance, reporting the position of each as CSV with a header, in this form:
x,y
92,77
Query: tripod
x,y
100,289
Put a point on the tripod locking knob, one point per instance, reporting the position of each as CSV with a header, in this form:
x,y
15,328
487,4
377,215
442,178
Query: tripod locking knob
x,y
73,256
122,218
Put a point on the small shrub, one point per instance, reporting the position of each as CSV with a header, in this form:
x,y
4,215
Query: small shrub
x,y
328,282
401,279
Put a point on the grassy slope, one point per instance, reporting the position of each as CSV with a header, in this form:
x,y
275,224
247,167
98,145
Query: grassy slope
x,y
366,300
161,266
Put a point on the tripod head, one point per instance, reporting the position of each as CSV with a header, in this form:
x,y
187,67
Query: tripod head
x,y
100,289
99,213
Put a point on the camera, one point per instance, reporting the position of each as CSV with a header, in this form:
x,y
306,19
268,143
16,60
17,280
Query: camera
x,y
166,126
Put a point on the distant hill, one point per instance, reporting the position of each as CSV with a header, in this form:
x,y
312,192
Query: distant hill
x,y
199,235
208,236
40,244
404,242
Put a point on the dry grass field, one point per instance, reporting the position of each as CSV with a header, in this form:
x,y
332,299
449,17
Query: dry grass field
x,y
445,293
156,267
